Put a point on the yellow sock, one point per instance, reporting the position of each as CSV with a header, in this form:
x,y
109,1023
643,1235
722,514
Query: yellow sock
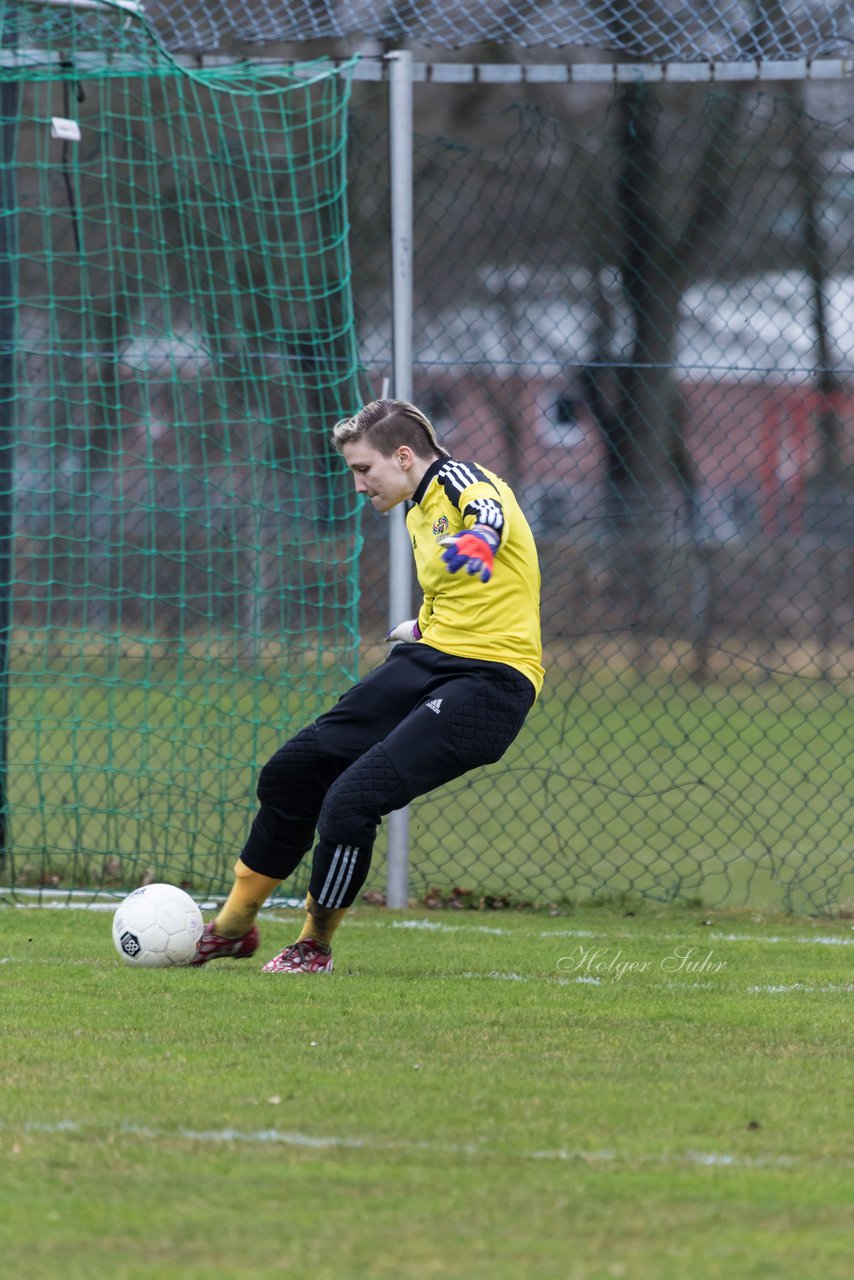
x,y
248,894
321,922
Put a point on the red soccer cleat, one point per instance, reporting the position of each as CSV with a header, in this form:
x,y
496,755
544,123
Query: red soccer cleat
x,y
211,946
300,957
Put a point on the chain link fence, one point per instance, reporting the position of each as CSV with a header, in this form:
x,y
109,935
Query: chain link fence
x,y
633,300
638,307
735,30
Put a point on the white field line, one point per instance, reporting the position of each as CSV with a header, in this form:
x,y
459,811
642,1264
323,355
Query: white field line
x,y
321,1142
799,986
439,926
586,979
591,980
819,939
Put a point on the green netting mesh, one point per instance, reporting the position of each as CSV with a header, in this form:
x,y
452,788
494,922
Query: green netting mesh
x,y
184,541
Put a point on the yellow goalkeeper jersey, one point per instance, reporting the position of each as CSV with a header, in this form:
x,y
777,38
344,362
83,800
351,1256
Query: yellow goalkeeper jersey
x,y
499,620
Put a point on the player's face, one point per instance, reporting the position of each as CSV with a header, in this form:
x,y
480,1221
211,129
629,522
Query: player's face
x,y
386,481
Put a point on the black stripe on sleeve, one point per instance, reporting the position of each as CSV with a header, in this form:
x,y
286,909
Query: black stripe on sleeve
x,y
486,511
455,476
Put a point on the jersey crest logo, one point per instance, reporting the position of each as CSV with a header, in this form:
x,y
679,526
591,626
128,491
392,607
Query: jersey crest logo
x,y
440,526
434,705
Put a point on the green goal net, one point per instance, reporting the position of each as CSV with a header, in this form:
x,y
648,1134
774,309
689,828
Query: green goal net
x,y
179,543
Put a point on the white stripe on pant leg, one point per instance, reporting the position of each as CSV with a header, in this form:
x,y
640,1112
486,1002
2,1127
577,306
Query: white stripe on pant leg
x,y
345,874
345,886
331,873
344,857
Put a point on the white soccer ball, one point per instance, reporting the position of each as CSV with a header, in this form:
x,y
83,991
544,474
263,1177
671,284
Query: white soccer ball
x,y
157,926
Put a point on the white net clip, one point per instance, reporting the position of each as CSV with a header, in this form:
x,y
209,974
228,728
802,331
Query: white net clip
x,y
67,130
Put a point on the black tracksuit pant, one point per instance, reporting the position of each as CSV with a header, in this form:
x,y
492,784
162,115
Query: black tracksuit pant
x,y
419,720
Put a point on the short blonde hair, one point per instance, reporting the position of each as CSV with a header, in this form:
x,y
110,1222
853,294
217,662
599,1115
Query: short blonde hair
x,y
386,425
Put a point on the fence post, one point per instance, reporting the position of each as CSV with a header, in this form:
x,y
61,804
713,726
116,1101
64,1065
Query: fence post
x,y
8,248
400,555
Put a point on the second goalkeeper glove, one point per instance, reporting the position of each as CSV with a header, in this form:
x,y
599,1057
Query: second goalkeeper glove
x,y
475,548
406,631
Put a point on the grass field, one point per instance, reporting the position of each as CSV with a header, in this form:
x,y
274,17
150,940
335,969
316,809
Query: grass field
x,y
729,793
662,1095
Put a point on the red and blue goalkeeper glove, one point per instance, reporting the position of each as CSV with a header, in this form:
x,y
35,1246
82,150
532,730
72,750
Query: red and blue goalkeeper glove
x,y
475,548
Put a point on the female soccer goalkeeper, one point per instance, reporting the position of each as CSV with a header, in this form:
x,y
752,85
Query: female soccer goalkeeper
x,y
452,697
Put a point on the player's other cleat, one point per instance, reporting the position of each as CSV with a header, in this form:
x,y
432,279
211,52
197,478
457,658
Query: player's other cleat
x,y
211,946
300,957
